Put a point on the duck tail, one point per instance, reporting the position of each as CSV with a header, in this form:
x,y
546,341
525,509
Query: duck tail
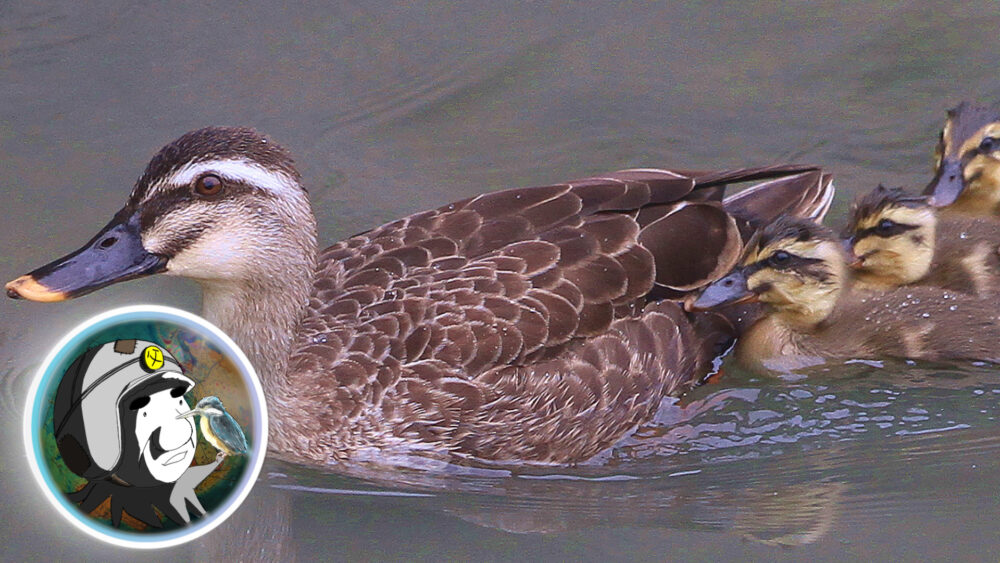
x,y
806,193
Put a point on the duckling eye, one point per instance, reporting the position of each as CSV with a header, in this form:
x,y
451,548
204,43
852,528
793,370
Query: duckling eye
x,y
207,185
885,227
779,258
988,144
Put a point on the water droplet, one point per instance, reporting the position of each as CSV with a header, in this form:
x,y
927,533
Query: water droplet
x,y
963,235
953,308
319,339
926,315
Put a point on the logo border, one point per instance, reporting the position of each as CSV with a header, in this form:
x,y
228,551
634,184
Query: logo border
x,y
35,404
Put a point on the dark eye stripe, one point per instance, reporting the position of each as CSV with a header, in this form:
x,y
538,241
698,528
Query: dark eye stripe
x,y
794,261
894,230
164,202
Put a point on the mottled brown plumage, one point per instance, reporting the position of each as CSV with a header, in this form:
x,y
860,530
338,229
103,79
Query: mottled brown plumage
x,y
522,326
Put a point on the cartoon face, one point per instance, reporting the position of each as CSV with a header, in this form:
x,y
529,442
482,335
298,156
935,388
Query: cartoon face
x,y
166,442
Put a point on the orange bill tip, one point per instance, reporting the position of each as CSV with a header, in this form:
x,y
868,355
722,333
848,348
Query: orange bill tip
x,y
28,288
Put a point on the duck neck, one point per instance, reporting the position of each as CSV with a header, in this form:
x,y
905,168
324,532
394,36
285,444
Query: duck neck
x,y
261,314
261,320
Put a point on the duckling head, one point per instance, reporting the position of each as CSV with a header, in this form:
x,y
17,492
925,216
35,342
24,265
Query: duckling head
x,y
220,205
794,266
967,161
892,235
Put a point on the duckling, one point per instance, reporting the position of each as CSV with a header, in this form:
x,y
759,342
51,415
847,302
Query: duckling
x,y
530,325
900,239
967,162
798,269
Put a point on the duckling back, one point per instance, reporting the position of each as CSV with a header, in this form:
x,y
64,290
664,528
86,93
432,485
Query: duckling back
x,y
925,323
967,257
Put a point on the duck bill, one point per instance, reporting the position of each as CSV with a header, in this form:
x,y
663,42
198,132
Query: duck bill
x,y
854,261
947,185
728,290
115,254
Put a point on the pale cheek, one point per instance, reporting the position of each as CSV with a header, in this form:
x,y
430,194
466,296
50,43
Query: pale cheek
x,y
212,256
992,174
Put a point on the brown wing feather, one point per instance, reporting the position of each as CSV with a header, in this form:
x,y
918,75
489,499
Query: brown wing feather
x,y
512,326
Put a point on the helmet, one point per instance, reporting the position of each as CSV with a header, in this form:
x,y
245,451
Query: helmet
x,y
88,404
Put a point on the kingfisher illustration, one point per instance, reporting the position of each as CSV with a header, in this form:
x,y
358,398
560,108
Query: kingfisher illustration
x,y
218,427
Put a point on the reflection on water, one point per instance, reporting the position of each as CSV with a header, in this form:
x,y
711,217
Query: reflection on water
x,y
392,108
778,465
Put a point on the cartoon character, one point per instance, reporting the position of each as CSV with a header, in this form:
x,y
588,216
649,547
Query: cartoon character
x,y
117,424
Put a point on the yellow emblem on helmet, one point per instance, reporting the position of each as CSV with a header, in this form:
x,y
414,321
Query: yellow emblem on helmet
x,y
152,358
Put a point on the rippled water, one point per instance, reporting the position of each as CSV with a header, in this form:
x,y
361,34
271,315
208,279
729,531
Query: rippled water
x,y
392,108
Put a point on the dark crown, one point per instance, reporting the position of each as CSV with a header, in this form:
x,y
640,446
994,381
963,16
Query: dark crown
x,y
215,143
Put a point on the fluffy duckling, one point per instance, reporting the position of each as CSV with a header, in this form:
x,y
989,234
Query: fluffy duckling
x,y
967,168
799,271
900,239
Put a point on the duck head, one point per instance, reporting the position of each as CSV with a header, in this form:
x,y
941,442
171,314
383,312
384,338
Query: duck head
x,y
221,205
967,163
797,268
892,234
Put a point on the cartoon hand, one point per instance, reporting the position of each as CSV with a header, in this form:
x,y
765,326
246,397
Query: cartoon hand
x,y
220,456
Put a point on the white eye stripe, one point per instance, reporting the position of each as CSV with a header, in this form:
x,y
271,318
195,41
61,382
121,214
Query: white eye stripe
x,y
236,170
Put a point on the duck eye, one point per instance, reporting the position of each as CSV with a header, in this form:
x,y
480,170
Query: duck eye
x,y
209,184
779,258
988,144
885,226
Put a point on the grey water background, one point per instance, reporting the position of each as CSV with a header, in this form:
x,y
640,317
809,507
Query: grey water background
x,y
395,107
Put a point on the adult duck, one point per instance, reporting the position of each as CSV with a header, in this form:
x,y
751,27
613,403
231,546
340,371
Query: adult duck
x,y
529,325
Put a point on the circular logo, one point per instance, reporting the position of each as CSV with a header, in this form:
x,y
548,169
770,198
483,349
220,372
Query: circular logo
x,y
146,426
152,358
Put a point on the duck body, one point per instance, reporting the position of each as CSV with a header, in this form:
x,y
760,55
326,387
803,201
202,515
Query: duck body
x,y
814,313
481,330
533,325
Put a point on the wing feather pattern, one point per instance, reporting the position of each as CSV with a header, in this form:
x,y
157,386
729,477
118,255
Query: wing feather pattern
x,y
519,325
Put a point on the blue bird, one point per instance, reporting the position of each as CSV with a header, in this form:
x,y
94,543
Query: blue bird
x,y
218,427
